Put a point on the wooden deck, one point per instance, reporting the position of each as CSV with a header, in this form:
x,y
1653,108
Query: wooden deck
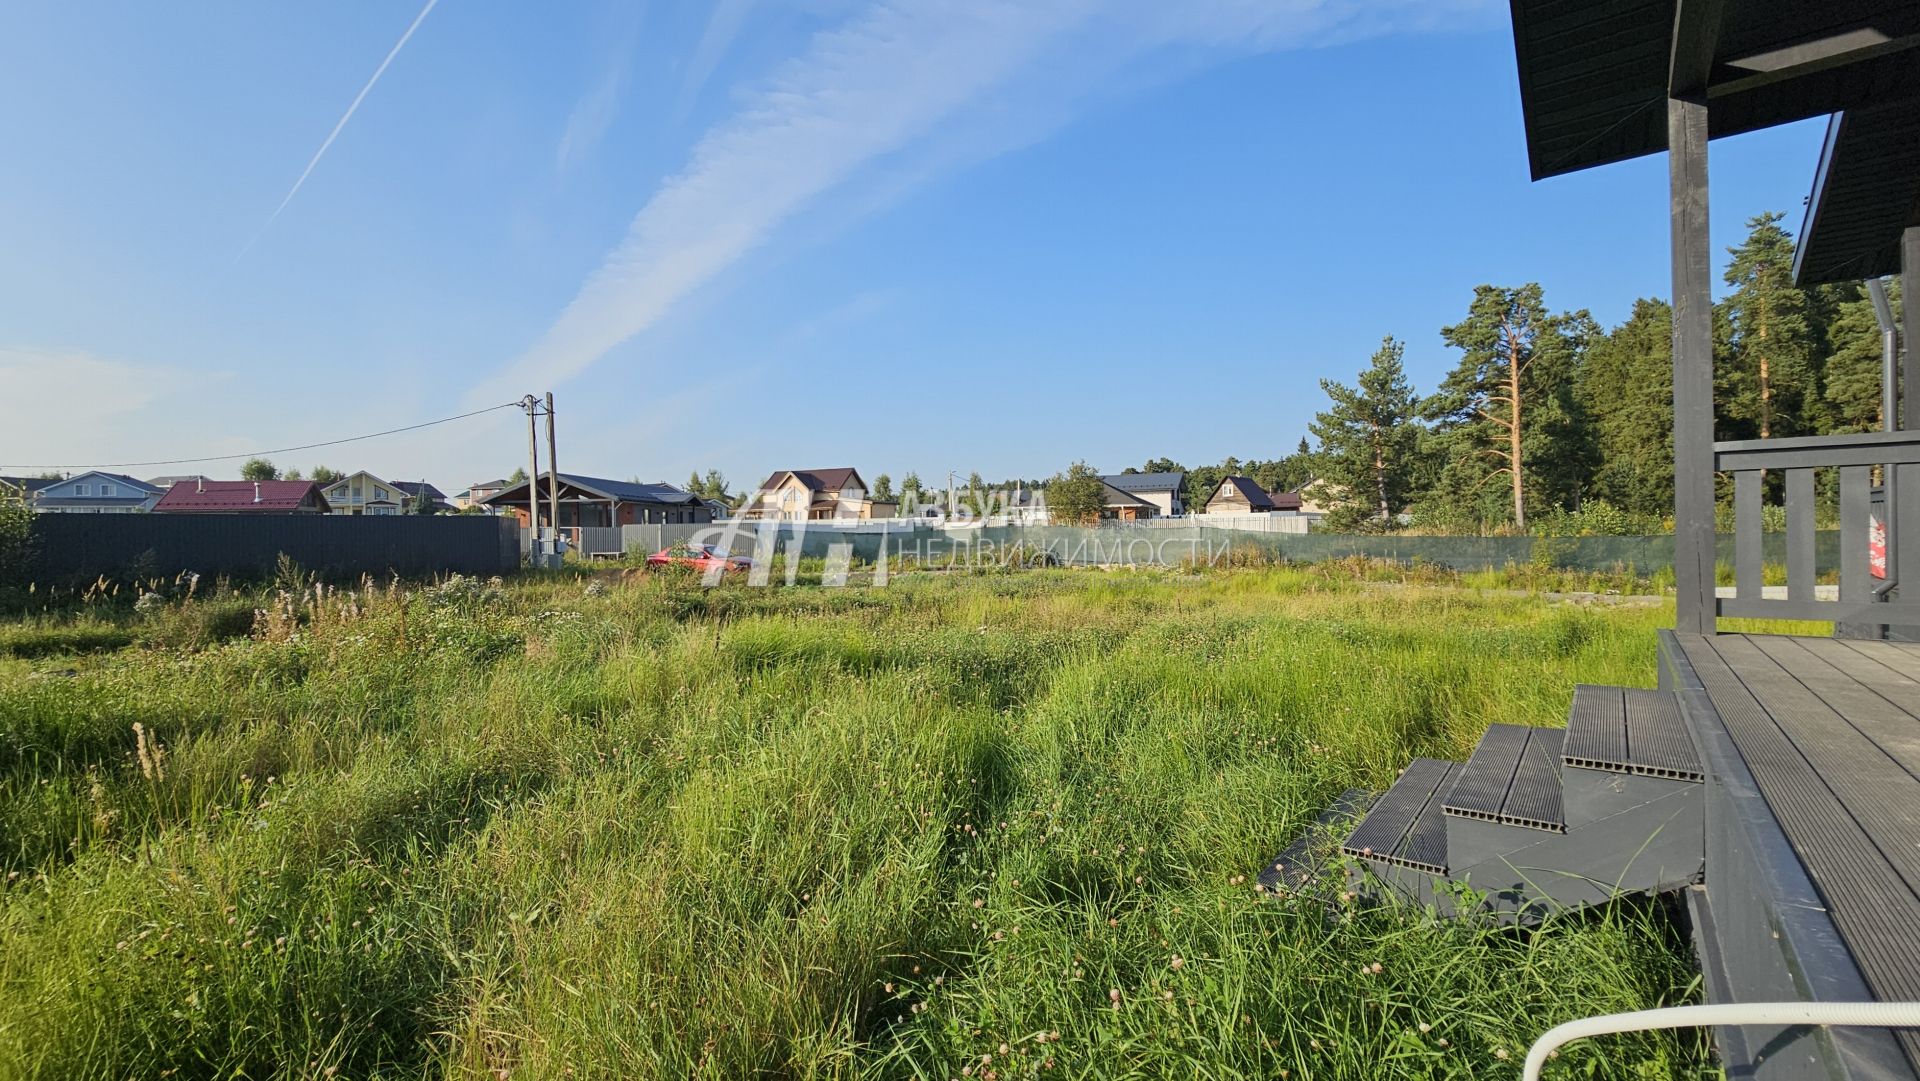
x,y
1829,732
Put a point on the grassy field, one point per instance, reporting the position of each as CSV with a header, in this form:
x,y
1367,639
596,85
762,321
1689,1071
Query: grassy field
x,y
991,827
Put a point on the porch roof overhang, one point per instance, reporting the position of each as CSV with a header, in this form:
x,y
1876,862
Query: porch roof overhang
x,y
1595,74
1866,192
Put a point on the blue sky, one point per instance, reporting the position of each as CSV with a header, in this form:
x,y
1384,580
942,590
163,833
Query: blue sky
x,y
908,235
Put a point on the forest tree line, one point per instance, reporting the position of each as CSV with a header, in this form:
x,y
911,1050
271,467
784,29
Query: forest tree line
x,y
1550,423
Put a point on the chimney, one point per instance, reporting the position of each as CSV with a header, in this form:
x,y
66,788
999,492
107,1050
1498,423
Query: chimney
x,y
256,491
200,485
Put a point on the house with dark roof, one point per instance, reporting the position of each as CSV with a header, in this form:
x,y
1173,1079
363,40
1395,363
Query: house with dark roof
x,y
95,492
596,502
1117,503
414,489
1163,492
802,495
243,497
24,487
1239,495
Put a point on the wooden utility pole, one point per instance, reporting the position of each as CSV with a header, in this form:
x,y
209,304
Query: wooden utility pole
x,y
533,481
553,473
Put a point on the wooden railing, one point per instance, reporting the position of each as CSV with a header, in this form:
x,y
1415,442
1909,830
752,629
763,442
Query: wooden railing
x,y
1879,538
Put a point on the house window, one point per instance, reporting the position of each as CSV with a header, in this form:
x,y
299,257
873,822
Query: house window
x,y
107,489
80,489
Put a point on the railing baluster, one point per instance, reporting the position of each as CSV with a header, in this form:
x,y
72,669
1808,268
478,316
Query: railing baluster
x,y
1856,497
1903,543
1748,528
1800,534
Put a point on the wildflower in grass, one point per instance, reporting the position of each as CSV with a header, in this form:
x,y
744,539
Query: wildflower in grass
x,y
1176,962
1500,1053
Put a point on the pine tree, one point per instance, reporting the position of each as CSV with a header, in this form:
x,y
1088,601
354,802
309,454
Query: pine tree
x,y
1626,389
1508,409
883,488
1770,381
1853,369
1369,436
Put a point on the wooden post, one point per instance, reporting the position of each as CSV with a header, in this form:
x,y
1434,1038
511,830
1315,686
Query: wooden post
x,y
1910,327
1693,542
533,483
553,477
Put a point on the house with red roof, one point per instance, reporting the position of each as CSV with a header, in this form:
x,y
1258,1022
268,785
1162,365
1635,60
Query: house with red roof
x,y
243,497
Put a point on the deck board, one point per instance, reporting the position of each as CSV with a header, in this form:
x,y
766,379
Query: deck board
x,y
1879,668
1896,731
1825,745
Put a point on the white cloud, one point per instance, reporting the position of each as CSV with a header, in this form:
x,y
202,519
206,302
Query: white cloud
x,y
883,83
77,405
723,25
596,111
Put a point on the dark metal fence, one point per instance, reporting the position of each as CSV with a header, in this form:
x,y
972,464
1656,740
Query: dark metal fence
x,y
70,548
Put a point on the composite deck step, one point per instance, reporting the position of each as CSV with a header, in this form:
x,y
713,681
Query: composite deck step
x,y
1627,730
1300,864
1406,826
1513,778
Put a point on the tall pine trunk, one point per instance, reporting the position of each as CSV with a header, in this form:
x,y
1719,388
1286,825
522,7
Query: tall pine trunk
x,y
1379,472
1513,431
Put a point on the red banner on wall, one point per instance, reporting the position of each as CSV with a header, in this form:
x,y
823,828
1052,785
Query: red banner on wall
x,y
1876,547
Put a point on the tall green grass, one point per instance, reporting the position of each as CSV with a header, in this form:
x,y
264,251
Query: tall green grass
x,y
993,827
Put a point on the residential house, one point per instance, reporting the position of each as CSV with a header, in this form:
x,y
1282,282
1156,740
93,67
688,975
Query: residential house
x,y
1126,506
24,487
95,492
1161,491
413,489
1021,505
800,495
243,497
1242,495
164,483
477,495
595,502
364,493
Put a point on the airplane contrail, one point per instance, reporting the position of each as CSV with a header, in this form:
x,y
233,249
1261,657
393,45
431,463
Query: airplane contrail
x,y
335,133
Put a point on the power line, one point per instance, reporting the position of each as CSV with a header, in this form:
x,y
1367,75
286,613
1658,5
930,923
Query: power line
x,y
280,450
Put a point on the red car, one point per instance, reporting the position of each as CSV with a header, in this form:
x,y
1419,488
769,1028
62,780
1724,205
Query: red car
x,y
704,557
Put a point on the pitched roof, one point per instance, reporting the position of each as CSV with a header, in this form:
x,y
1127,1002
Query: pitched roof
x,y
117,478
817,480
1147,482
239,495
415,487
163,483
1256,496
1114,497
28,485
624,491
